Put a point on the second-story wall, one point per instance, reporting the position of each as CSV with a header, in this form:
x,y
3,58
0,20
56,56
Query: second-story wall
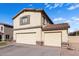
x,y
45,21
35,20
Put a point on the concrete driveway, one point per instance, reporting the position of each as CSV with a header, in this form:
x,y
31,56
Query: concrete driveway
x,y
29,50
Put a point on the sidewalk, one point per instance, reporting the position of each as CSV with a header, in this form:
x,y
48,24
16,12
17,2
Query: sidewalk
x,y
7,44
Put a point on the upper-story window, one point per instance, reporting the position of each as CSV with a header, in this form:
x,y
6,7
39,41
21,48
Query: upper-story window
x,y
44,21
25,20
1,28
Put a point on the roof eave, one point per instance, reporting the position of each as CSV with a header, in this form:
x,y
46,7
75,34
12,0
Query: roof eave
x,y
33,10
61,27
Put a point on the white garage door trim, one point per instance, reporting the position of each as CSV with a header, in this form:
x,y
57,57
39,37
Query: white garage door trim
x,y
26,33
52,33
24,40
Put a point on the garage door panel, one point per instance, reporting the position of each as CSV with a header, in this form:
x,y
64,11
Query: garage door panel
x,y
27,38
52,39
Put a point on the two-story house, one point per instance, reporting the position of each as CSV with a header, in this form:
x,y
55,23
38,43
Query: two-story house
x,y
33,26
6,32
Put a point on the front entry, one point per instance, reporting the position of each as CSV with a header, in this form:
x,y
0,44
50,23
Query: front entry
x,y
0,37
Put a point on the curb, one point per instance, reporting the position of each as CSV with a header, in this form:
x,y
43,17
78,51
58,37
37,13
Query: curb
x,y
6,46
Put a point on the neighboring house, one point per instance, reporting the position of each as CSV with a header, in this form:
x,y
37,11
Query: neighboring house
x,y
6,32
33,26
75,33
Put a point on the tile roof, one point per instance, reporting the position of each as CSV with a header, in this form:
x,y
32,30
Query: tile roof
x,y
6,25
61,26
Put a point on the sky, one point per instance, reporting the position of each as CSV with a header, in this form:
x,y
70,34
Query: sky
x,y
58,12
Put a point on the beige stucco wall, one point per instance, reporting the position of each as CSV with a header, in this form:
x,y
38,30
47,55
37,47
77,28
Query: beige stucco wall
x,y
64,34
8,31
35,20
37,30
40,35
73,39
74,42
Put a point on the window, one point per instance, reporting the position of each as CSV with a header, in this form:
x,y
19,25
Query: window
x,y
7,36
25,20
44,21
1,28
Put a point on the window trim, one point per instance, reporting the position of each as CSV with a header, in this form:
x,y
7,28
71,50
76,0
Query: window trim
x,y
28,20
1,28
7,36
44,20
